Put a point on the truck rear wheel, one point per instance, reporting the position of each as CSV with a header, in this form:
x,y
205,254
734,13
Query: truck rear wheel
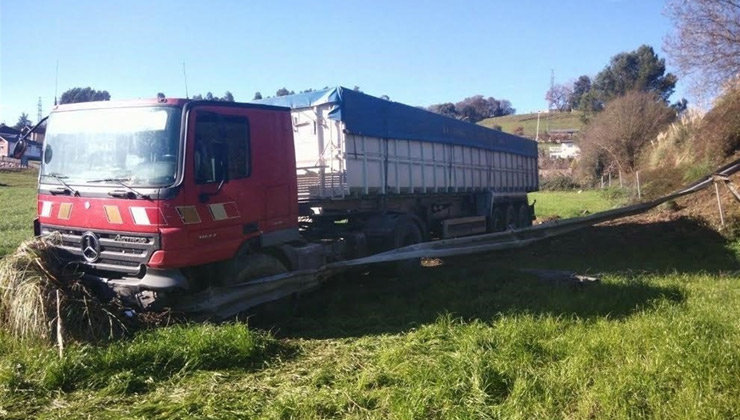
x,y
497,223
405,232
511,217
525,218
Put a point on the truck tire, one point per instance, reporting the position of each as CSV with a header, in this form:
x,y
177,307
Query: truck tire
x,y
253,266
511,217
525,218
497,222
405,232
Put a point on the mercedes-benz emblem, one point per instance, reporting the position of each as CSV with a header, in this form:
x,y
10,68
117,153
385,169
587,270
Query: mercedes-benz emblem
x,y
90,246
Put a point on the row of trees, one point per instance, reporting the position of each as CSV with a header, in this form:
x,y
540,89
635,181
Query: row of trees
x,y
627,102
639,70
474,108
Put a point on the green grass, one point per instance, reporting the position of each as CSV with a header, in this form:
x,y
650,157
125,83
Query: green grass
x,y
566,204
657,337
548,121
17,208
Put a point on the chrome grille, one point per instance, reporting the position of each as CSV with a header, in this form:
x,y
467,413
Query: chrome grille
x,y
122,252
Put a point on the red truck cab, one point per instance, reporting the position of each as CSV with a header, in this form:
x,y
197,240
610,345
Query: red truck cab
x,y
141,191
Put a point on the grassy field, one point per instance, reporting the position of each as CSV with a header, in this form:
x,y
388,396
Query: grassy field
x,y
657,337
548,121
17,208
565,204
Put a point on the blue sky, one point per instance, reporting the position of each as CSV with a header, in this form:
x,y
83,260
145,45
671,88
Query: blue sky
x,y
419,53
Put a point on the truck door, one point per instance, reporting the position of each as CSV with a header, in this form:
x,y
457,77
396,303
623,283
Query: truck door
x,y
240,178
224,200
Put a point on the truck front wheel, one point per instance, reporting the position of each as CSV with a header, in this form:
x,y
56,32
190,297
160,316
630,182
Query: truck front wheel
x,y
253,266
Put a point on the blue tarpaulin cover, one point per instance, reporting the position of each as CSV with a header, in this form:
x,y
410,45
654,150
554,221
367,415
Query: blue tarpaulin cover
x,y
367,115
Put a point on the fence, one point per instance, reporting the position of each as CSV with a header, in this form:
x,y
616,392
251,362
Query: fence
x,y
10,164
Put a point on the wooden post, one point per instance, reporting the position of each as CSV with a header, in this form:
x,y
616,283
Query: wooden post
x,y
719,205
60,340
639,191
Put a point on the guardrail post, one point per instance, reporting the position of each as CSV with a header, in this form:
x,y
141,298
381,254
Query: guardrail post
x,y
719,205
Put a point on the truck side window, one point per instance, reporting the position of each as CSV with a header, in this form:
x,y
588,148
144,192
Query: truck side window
x,y
221,147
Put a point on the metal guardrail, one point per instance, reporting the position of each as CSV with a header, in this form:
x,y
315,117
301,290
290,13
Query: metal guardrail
x,y
227,301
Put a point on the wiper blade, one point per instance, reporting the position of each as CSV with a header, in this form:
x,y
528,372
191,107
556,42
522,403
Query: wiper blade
x,y
121,182
67,188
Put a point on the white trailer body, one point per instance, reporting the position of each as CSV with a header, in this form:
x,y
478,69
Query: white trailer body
x,y
350,145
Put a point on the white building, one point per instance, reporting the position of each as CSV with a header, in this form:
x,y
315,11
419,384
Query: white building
x,y
565,150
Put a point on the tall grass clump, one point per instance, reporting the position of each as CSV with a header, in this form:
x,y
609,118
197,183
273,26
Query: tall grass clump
x,y
124,366
38,295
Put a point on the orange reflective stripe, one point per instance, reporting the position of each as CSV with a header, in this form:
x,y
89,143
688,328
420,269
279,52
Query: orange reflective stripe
x,y
113,214
188,214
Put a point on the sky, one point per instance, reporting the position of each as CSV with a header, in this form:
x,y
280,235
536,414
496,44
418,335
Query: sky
x,y
416,52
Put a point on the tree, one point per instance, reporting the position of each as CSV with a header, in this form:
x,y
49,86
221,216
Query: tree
x,y
23,121
504,108
257,95
639,70
580,87
706,40
474,108
283,92
617,136
559,97
228,97
447,109
87,94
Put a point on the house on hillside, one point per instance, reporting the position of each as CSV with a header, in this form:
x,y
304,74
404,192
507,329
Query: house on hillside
x,y
562,134
9,137
565,150
8,132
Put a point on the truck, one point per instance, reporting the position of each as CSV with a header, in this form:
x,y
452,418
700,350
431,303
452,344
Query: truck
x,y
162,198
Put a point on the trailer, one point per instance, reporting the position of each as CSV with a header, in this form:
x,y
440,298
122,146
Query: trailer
x,y
156,200
361,155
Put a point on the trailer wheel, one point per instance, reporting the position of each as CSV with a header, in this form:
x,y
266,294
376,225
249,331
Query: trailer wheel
x,y
405,233
253,266
511,217
525,218
497,222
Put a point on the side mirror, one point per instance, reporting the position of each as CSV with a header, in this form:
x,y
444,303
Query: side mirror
x,y
19,149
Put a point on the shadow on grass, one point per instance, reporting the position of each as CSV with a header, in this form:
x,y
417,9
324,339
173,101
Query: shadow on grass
x,y
683,245
488,285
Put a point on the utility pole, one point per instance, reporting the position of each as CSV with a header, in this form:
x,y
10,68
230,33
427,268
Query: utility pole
x,y
549,108
39,114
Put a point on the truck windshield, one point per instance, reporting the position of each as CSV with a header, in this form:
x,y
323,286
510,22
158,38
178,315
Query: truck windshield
x,y
138,146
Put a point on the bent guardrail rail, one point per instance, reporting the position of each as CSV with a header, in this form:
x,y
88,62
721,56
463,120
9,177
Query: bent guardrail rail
x,y
227,301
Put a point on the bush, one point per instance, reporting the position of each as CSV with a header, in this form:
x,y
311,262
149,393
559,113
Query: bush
x,y
720,129
560,182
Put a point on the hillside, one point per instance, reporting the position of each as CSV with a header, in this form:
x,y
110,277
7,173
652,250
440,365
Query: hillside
x,y
548,121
